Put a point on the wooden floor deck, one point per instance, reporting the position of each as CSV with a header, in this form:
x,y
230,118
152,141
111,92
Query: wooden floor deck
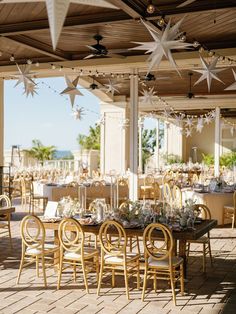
x,y
213,292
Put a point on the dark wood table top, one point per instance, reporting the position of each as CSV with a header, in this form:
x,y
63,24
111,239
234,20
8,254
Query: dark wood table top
x,y
190,234
6,210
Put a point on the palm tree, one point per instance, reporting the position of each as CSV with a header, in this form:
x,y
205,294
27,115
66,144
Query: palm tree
x,y
92,140
40,152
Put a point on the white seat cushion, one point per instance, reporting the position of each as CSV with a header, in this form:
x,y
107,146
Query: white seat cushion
x,y
77,256
176,261
47,247
119,259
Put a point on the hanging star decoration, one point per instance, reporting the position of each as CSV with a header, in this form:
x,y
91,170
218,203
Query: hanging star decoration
x,y
209,72
207,119
78,113
111,87
163,44
24,75
30,89
179,119
188,132
57,11
232,86
72,89
148,95
189,122
199,125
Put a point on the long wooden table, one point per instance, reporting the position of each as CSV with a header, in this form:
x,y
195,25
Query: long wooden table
x,y
6,210
181,236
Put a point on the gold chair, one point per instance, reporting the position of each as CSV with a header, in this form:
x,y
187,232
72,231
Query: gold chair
x,y
177,196
73,252
229,212
36,198
155,192
34,247
25,192
114,256
5,220
159,260
204,213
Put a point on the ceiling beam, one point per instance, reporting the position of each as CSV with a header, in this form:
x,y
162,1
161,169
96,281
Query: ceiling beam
x,y
71,21
197,6
40,47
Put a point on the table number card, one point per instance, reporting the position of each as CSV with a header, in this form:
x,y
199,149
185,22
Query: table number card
x,y
51,209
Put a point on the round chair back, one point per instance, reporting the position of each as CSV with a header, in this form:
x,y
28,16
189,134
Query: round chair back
x,y
203,211
32,232
6,199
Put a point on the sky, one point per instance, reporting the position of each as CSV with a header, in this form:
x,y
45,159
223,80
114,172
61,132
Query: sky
x,y
48,116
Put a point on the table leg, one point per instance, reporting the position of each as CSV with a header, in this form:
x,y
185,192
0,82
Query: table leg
x,y
182,253
57,253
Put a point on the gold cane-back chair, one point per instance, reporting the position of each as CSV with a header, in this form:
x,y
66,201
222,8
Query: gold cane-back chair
x,y
167,194
34,247
5,220
229,212
159,259
204,213
73,251
114,257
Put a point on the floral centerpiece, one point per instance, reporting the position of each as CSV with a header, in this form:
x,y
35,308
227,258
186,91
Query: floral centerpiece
x,y
68,207
187,214
130,214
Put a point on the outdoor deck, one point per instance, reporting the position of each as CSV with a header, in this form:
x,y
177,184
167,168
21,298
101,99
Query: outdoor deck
x,y
214,292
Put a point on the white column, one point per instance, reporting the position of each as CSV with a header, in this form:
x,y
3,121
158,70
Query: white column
x,y
166,128
157,144
140,160
102,146
133,186
1,127
217,142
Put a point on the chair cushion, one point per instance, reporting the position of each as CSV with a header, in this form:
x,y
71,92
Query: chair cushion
x,y
119,259
176,261
88,252
48,247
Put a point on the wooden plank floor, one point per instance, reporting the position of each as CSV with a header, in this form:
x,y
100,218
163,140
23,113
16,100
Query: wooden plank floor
x,y
214,292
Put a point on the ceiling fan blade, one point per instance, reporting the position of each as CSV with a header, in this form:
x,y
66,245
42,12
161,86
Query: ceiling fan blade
x,y
91,48
185,3
89,56
115,55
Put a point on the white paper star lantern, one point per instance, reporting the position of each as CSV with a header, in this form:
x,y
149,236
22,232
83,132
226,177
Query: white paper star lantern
x,y
199,126
207,119
209,72
57,11
30,89
24,75
163,44
112,87
233,85
189,122
148,95
78,113
72,89
188,132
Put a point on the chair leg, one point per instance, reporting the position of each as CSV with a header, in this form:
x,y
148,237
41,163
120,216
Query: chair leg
x,y
44,271
113,278
188,250
126,281
233,221
155,282
74,271
21,267
59,272
138,275
85,276
144,283
172,286
37,266
209,249
182,279
204,258
100,276
138,246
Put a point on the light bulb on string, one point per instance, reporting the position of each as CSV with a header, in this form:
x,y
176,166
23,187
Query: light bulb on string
x,y
150,8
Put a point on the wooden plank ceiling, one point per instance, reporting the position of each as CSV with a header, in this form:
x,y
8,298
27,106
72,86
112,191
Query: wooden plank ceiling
x,y
25,33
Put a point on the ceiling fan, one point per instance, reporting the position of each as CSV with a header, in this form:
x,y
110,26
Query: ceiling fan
x,y
185,3
190,94
98,50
